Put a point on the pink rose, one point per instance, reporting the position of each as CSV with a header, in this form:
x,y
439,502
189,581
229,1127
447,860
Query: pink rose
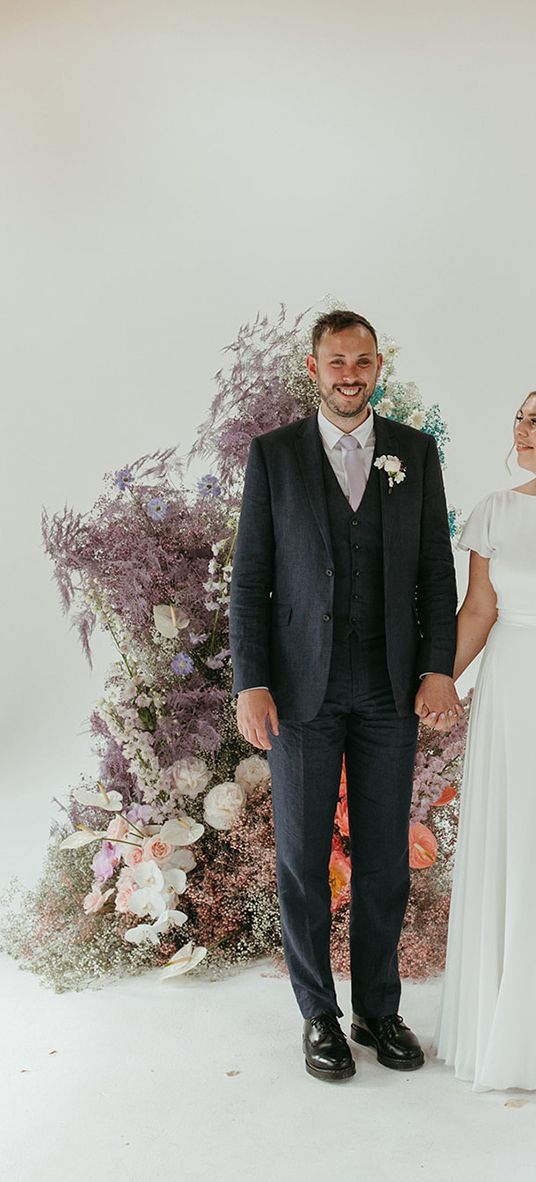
x,y
125,887
132,855
154,847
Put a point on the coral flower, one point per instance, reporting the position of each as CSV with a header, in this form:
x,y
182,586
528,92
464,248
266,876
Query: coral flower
x,y
340,872
341,812
422,846
448,794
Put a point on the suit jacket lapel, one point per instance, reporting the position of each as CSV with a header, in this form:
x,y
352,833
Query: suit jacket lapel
x,y
309,451
386,445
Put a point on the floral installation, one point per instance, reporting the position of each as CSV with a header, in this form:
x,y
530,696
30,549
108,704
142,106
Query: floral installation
x,y
180,810
394,469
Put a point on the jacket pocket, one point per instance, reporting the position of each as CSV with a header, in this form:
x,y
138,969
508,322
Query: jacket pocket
x,y
281,613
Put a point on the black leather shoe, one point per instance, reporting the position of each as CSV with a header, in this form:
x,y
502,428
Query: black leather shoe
x,y
395,1043
327,1054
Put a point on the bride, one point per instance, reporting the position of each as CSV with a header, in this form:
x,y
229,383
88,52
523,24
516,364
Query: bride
x,y
486,1029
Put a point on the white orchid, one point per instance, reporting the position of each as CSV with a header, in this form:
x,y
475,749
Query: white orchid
x,y
185,959
169,620
149,933
176,879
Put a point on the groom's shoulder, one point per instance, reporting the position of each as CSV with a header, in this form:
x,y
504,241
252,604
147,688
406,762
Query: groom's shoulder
x,y
281,436
411,436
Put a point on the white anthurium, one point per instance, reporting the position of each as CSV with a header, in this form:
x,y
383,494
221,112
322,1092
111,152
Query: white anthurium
x,y
169,919
169,620
143,933
111,802
181,830
81,837
185,959
147,901
175,879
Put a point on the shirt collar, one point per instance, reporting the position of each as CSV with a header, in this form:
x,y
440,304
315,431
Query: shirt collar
x,y
331,434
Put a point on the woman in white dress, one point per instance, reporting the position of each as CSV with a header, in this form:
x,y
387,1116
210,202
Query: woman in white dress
x,y
486,1029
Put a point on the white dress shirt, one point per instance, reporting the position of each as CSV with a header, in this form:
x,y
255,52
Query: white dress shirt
x,y
331,437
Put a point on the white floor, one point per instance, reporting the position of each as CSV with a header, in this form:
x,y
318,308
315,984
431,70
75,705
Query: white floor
x,y
204,1080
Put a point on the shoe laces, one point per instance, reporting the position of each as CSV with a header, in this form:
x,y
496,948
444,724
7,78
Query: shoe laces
x,y
327,1024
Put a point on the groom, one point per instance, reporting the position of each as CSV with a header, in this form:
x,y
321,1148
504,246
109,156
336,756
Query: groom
x,y
342,631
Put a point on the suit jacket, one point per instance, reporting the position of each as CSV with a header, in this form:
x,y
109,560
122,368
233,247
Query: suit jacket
x,y
281,625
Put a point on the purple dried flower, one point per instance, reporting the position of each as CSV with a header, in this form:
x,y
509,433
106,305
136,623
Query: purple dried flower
x,y
156,509
209,486
139,814
198,637
123,478
216,662
182,665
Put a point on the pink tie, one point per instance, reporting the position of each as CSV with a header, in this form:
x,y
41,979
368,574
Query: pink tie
x,y
355,468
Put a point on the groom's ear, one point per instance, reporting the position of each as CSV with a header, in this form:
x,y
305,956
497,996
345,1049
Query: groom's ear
x,y
380,363
312,368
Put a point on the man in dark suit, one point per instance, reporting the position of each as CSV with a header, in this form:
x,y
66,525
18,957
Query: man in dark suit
x,y
342,630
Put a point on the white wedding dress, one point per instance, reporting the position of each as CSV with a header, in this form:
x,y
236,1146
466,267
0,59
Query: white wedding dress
x,y
486,1028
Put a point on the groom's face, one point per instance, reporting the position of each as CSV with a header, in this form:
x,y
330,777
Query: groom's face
x,y
345,369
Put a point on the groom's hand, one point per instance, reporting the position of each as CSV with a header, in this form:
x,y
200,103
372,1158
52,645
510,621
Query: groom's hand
x,y
437,702
253,708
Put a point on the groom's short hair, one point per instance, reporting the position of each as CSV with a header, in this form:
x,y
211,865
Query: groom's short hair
x,y
335,322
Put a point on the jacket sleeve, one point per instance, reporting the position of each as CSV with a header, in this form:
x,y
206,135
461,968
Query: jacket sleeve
x,y
436,596
251,582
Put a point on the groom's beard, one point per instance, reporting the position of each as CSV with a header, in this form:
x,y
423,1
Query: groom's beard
x,y
343,408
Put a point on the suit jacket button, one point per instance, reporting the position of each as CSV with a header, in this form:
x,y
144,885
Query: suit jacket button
x,y
355,521
326,617
329,571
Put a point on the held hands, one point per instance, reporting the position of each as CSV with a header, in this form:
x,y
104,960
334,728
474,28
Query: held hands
x,y
437,702
253,708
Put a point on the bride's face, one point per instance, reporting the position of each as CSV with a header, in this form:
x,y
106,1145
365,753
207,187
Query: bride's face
x,y
525,434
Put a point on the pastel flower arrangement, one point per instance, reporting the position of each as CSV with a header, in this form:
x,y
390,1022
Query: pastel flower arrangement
x,y
151,565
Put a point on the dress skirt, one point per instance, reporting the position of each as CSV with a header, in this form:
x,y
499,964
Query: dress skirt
x,y
486,1028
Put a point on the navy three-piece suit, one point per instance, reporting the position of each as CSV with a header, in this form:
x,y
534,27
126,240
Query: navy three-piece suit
x,y
338,611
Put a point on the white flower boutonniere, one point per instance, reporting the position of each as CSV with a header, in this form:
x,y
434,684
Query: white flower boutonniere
x,y
394,469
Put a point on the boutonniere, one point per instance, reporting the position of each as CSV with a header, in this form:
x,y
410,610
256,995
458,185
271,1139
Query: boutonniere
x,y
394,469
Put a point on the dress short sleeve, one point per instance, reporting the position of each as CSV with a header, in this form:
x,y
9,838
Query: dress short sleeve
x,y
475,534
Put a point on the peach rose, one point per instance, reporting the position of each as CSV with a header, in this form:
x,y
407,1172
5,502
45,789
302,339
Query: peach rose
x,y
154,847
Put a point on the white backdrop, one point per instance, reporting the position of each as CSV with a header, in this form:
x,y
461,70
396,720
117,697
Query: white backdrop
x,y
167,170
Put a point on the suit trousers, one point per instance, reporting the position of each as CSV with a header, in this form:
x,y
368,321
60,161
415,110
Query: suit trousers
x,y
357,719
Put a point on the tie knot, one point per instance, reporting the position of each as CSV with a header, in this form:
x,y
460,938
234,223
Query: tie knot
x,y
349,442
